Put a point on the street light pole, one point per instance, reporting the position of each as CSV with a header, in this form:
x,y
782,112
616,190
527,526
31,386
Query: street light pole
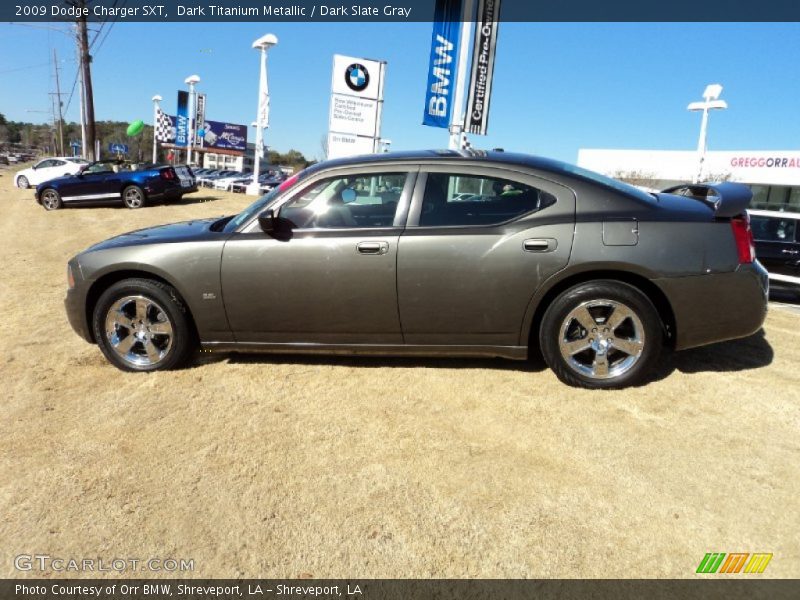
x,y
263,44
156,109
192,80
710,101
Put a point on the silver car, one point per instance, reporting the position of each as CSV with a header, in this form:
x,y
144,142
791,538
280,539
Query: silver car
x,y
436,254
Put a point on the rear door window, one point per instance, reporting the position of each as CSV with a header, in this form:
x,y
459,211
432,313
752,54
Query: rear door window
x,y
466,200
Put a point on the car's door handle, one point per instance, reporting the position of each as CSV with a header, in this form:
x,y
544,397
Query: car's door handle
x,y
539,245
372,247
791,251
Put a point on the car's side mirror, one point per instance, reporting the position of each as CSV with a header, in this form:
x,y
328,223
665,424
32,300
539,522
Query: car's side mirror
x,y
266,221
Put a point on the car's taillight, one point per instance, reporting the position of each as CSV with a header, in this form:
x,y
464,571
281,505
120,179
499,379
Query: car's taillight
x,y
744,238
168,173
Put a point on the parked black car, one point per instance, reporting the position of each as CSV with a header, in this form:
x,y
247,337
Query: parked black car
x,y
777,237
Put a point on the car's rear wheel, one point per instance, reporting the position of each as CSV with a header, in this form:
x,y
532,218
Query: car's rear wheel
x,y
22,182
601,334
143,325
51,199
133,196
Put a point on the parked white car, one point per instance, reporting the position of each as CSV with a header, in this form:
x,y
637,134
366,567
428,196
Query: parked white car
x,y
47,169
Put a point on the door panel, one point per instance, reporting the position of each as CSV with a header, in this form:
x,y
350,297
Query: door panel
x,y
316,287
472,285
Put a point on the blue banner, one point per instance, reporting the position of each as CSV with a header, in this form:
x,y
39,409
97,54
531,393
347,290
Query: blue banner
x,y
442,67
182,120
225,136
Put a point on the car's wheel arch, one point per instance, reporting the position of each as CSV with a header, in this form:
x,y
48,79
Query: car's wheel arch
x,y
102,283
568,278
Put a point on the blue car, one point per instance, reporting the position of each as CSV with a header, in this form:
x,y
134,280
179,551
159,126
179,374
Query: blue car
x,y
114,181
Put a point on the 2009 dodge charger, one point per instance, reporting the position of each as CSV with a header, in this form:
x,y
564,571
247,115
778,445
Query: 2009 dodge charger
x,y
435,253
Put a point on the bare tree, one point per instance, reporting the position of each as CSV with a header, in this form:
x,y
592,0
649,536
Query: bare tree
x,y
323,143
636,177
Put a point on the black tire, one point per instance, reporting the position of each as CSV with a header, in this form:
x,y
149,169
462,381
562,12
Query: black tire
x,y
51,199
133,197
118,324
581,349
22,182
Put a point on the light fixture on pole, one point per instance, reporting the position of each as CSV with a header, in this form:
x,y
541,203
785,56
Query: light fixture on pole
x,y
384,144
710,101
192,80
156,110
263,44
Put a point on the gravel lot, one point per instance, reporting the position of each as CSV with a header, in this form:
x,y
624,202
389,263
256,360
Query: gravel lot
x,y
336,467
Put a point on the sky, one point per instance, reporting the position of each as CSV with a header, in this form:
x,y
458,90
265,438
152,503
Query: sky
x,y
558,87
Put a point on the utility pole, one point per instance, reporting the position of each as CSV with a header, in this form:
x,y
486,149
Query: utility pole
x,y
84,153
86,76
59,106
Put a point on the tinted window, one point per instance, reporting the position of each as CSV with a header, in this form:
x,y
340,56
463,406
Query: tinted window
x,y
468,200
364,201
45,164
773,229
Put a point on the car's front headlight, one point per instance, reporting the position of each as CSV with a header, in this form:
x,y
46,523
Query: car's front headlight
x,y
70,277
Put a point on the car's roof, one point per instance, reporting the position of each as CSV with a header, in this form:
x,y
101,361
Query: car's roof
x,y
493,156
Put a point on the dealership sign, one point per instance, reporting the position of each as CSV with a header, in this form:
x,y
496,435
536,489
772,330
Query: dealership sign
x,y
182,120
354,123
480,84
769,162
225,136
441,66
199,118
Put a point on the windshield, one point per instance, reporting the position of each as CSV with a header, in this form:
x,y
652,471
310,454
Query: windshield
x,y
251,211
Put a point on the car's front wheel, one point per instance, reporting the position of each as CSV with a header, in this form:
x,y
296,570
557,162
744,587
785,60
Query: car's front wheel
x,y
22,182
601,334
143,325
51,199
133,196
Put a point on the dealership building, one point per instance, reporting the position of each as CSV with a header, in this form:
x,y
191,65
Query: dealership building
x,y
773,175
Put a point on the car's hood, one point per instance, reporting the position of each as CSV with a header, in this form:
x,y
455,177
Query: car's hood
x,y
162,234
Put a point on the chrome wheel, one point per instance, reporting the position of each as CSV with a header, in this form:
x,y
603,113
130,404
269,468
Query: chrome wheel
x,y
51,200
139,331
22,182
601,339
133,197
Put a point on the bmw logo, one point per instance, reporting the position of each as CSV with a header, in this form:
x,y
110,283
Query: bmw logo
x,y
356,77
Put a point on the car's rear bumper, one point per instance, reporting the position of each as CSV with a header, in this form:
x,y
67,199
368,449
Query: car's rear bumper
x,y
717,307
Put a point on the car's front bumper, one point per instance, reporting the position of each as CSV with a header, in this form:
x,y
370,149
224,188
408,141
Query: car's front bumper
x,y
718,306
75,305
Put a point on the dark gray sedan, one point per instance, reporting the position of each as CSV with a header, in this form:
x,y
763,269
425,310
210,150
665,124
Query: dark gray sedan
x,y
435,254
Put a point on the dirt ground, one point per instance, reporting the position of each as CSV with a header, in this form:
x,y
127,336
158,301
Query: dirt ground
x,y
334,467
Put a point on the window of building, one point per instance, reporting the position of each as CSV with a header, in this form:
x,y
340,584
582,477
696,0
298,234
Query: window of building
x,y
465,200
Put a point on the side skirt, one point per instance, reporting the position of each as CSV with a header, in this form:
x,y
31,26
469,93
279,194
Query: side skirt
x,y
510,352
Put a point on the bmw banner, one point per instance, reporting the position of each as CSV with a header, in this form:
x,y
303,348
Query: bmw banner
x,y
443,60
480,82
182,120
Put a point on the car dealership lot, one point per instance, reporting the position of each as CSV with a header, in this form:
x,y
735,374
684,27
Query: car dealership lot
x,y
357,467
